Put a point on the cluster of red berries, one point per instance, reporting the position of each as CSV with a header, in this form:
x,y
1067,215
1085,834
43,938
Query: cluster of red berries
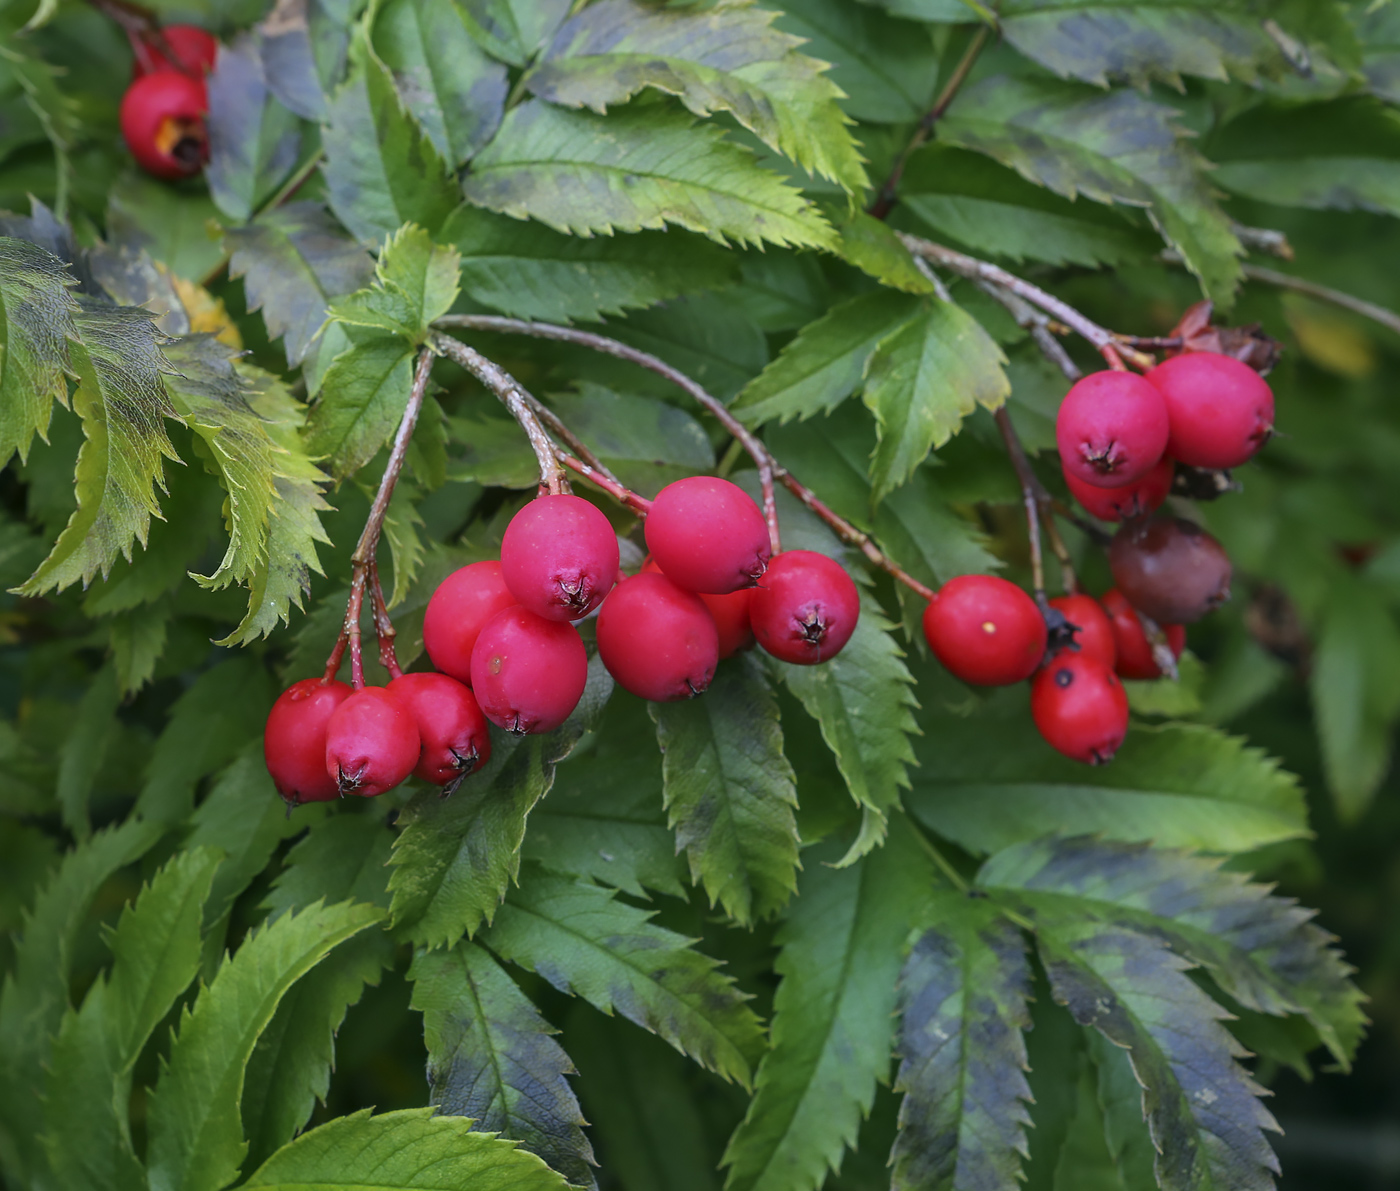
x,y
1120,437
162,112
501,637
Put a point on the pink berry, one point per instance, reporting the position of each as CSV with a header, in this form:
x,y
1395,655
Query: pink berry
x,y
1112,429
294,741
455,740
1221,411
730,612
462,603
528,673
658,640
1143,496
559,557
805,608
707,535
985,630
372,743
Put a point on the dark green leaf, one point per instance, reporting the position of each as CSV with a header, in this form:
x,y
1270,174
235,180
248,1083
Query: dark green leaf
x,y
514,30
341,857
171,226
94,722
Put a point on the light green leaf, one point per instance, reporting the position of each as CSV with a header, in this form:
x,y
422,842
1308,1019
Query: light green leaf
x,y
415,282
637,168
585,942
36,322
362,399
730,791
196,1140
873,247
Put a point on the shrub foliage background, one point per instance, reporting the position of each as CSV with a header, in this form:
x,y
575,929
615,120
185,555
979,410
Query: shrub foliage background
x,y
831,904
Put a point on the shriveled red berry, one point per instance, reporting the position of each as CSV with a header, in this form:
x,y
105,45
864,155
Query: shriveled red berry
x,y
192,50
1221,411
1080,707
658,640
528,673
1134,650
162,119
1111,429
462,603
1143,496
559,557
1094,630
985,630
294,741
452,731
372,742
730,612
805,608
1169,568
707,535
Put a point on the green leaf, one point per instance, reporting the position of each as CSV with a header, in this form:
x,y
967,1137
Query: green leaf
x,y
80,759
833,1015
172,226
492,1058
1262,950
409,1150
36,323
381,170
730,791
873,247
862,700
727,58
922,382
342,857
585,942
1117,147
636,168
401,524
986,784
362,399
826,361
963,999
138,640
253,138
415,283
1119,1096
456,92
456,857
294,262
123,404
196,1140
530,271
156,952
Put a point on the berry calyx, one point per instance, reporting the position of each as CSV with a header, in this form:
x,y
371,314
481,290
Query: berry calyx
x,y
1138,499
1221,411
1112,429
193,51
730,612
1093,636
985,630
462,603
658,640
805,608
1170,569
162,120
452,731
559,557
1080,708
707,535
372,742
1134,650
294,740
528,673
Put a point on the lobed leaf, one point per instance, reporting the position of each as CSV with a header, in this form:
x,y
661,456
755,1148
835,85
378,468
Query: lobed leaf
x,y
37,314
514,30
415,283
363,395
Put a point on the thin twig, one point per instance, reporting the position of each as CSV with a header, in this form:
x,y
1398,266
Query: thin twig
x,y
1266,239
570,439
1038,323
383,625
607,482
1387,318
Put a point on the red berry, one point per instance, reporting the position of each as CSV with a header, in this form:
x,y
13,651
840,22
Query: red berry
x,y
1112,429
452,730
559,557
528,673
1080,707
1170,569
294,741
462,603
162,119
658,640
372,742
805,608
1221,411
1095,631
985,630
1134,650
730,612
1143,496
193,51
707,535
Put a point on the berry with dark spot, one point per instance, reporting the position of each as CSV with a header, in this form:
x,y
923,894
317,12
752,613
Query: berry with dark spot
x,y
1079,707
162,121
